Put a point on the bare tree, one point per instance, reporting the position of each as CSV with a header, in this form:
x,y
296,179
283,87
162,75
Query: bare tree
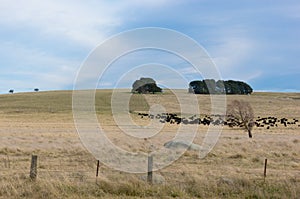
x,y
242,114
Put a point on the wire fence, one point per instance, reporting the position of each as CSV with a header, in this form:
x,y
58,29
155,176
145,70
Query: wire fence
x,y
81,167
84,167
64,167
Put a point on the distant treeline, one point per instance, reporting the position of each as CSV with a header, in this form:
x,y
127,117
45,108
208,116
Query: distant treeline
x,y
210,86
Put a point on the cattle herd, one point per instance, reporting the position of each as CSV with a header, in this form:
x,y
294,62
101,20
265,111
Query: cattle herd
x,y
260,122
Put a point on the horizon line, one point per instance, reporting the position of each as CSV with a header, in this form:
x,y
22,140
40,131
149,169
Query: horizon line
x,y
53,90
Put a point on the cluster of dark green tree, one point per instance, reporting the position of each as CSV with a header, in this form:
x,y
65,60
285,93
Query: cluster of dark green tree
x,y
210,86
145,85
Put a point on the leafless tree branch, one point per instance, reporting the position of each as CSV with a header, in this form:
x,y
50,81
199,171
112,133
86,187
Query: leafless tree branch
x,y
242,114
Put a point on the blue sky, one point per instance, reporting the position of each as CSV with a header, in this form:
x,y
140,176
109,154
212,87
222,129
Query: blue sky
x,y
43,43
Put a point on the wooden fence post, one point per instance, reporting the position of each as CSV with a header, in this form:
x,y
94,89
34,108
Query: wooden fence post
x,y
265,170
97,170
98,165
150,165
33,167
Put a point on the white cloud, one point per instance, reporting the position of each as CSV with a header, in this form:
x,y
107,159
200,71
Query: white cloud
x,y
154,3
232,53
85,22
24,58
188,71
28,68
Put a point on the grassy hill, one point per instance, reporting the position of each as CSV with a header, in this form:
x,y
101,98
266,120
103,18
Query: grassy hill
x,y
60,102
41,123
50,102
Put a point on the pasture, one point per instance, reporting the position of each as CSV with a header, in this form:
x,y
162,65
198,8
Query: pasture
x,y
41,123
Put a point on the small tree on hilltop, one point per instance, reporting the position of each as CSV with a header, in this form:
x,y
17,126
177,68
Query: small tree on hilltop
x,y
145,85
241,113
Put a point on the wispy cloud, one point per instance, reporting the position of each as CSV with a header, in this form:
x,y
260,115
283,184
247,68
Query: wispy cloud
x,y
86,23
42,43
231,53
27,68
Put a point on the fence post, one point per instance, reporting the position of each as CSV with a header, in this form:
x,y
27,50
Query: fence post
x,y
98,165
150,165
97,170
265,170
33,167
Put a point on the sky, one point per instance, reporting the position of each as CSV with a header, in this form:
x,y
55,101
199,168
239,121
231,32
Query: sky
x,y
43,44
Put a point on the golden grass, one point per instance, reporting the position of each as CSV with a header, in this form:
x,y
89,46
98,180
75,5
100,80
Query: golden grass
x,y
41,123
22,187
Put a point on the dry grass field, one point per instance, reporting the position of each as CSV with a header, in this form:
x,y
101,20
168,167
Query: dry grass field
x,y
41,123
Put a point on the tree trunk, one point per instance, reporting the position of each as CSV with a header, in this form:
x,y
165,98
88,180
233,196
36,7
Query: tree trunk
x,y
249,133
